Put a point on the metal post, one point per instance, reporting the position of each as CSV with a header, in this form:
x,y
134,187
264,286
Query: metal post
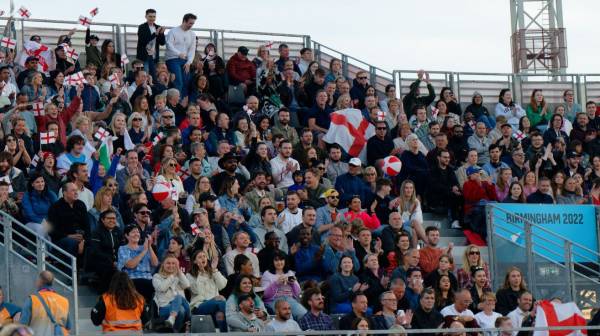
x,y
529,252
373,76
22,32
489,210
214,36
580,93
450,80
7,248
395,75
345,65
121,39
75,293
457,89
570,270
222,43
317,52
307,41
40,254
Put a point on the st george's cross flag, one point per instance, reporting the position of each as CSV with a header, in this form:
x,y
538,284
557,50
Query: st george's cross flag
x,y
551,314
350,130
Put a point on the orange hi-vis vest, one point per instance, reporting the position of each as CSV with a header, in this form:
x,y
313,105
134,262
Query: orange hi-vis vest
x,y
116,319
59,306
5,317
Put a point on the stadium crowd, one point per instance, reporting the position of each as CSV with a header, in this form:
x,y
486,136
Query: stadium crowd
x,y
264,218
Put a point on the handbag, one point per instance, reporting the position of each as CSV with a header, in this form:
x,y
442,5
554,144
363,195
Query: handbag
x,y
58,328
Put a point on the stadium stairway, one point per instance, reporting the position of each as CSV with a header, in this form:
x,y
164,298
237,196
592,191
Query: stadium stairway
x,y
87,301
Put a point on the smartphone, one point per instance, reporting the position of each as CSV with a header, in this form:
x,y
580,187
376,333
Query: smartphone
x,y
400,312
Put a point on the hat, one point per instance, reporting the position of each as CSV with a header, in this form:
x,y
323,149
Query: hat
x,y
206,196
355,162
45,155
198,209
329,193
243,50
506,125
31,58
572,154
477,94
227,157
94,37
473,170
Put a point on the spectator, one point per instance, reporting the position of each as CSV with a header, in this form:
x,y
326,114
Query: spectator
x,y
291,216
481,143
508,295
315,318
169,284
314,189
244,307
507,108
381,204
360,310
319,115
479,289
390,315
380,145
478,191
398,287
335,70
283,165
241,241
503,182
414,166
414,279
280,283
283,126
444,294
425,316
306,255
120,301
410,259
283,321
268,216
479,111
516,194
444,195
35,314
537,111
104,246
571,193
445,262
555,131
460,309
138,261
461,172
343,284
413,98
359,89
522,312
9,313
181,48
150,37
241,70
487,317
68,218
374,277
355,211
401,245
36,202
471,259
430,254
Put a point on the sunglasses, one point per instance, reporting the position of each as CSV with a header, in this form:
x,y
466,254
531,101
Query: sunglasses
x,y
168,116
474,253
137,119
172,165
144,212
321,168
381,128
113,185
362,77
334,197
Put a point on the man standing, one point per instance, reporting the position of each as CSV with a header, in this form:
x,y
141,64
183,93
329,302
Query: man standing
x,y
69,221
181,48
46,311
283,318
444,195
283,166
352,183
150,37
315,319
414,98
430,254
480,142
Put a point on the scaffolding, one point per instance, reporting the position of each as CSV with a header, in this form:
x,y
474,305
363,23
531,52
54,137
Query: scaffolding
x,y
539,43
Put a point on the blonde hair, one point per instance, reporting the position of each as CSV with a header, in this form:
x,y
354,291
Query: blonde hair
x,y
162,271
338,104
413,198
133,115
112,122
465,259
130,189
488,296
99,194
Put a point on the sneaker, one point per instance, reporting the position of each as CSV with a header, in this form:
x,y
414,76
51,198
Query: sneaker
x,y
455,225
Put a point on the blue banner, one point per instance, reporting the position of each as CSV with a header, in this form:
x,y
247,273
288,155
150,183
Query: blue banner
x,y
576,223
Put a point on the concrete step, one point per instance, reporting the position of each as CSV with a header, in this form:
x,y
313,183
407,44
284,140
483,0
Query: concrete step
x,y
87,300
84,312
86,327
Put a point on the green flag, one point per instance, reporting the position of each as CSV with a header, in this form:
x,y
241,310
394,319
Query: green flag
x,y
104,155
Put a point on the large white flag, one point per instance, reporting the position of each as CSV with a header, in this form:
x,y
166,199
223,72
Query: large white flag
x,y
351,131
45,55
550,314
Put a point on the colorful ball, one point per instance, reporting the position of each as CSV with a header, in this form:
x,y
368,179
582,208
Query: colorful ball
x,y
391,165
161,191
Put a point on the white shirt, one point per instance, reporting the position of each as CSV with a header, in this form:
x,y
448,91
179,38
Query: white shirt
x,y
281,177
85,195
276,325
487,321
289,219
181,42
451,311
516,317
229,256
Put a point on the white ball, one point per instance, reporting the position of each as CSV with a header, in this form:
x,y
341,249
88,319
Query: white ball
x,y
391,165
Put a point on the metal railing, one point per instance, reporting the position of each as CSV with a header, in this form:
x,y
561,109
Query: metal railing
x,y
557,266
24,255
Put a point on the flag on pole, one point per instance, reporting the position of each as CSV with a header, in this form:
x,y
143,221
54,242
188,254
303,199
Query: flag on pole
x,y
43,53
85,21
72,53
551,314
158,138
47,138
350,130
101,134
195,229
94,12
114,79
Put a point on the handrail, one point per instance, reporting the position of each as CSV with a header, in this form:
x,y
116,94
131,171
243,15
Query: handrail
x,y
43,249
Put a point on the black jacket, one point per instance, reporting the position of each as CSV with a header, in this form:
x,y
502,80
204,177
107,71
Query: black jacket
x,y
104,246
66,220
144,37
346,321
426,320
440,185
506,300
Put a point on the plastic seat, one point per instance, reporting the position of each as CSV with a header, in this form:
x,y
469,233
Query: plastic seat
x,y
202,324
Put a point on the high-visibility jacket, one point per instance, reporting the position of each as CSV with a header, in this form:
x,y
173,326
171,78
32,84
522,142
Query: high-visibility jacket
x,y
59,306
5,317
116,319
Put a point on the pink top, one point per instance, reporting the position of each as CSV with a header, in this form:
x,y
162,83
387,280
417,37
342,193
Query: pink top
x,y
528,190
371,222
274,290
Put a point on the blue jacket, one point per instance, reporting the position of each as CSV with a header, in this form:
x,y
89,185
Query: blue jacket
x,y
36,205
348,185
307,267
217,135
97,181
331,260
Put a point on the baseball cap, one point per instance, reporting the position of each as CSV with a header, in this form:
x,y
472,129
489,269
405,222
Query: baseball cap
x,y
31,58
473,170
243,50
206,196
506,125
355,162
329,193
572,154
198,210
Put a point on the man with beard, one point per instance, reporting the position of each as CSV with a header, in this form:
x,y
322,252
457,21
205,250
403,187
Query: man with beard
x,y
352,183
142,220
443,194
334,166
314,189
220,132
380,145
268,217
284,127
328,214
260,191
229,163
283,318
441,144
315,319
283,166
302,147
267,253
457,144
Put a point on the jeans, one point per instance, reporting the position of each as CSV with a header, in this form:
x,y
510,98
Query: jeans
x,y
150,67
297,309
212,307
180,306
182,79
